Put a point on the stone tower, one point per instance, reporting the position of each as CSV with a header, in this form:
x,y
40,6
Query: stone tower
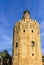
x,y
26,42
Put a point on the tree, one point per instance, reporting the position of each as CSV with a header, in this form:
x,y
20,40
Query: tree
x,y
7,59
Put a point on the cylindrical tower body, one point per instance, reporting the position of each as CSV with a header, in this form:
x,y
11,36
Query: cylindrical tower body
x,y
26,42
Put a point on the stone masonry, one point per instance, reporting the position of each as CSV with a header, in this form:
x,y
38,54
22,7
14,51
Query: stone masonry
x,y
26,42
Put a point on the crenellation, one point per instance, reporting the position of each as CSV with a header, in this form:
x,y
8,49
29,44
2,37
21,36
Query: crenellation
x,y
27,46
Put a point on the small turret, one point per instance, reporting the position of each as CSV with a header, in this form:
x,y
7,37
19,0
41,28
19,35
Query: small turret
x,y
26,15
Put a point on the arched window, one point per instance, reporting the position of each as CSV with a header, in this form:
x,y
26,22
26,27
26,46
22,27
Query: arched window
x,y
16,44
32,43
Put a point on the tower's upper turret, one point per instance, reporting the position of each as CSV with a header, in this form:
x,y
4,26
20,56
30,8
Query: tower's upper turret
x,y
26,15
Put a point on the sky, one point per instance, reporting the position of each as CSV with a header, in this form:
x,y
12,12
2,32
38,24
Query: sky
x,y
11,11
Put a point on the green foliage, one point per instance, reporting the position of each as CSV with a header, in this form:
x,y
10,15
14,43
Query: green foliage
x,y
6,57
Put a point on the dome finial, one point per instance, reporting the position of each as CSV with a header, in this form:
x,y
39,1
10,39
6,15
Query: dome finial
x,y
26,11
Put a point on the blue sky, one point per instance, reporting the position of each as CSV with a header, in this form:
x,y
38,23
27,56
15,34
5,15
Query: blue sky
x,y
11,11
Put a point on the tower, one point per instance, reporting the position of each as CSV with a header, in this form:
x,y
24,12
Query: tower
x,y
26,42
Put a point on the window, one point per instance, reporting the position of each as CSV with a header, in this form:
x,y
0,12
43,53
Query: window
x,y
32,54
23,30
32,30
33,43
16,44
